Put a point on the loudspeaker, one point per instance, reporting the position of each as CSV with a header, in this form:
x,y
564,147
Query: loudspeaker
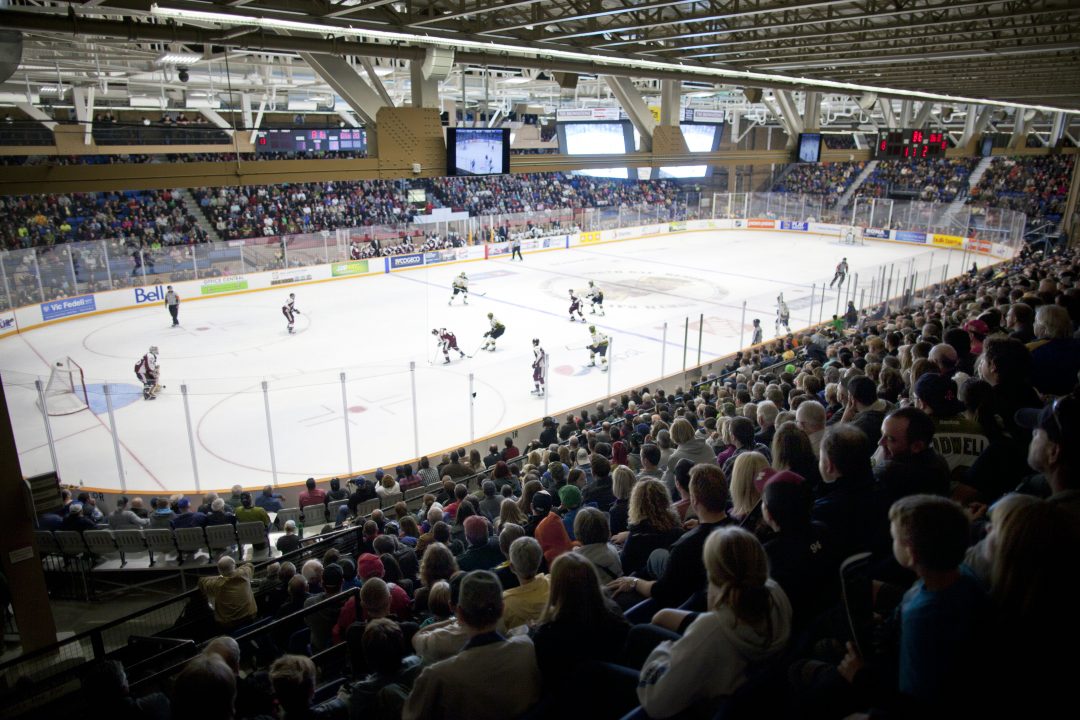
x,y
752,95
867,101
11,49
437,63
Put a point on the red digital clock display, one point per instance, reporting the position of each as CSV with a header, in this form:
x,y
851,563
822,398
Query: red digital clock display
x,y
911,144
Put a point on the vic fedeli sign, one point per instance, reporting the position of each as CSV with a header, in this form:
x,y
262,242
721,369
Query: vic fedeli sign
x,y
68,306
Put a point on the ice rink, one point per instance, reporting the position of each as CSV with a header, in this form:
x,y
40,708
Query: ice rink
x,y
371,328
479,158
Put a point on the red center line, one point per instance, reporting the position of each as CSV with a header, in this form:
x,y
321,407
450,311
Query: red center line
x,y
100,421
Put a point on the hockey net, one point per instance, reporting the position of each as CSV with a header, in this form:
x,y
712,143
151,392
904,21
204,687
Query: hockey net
x,y
851,235
65,393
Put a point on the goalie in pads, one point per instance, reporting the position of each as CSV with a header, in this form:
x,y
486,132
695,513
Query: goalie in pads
x,y
148,372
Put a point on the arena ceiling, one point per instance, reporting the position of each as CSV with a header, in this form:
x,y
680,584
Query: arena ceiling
x,y
1025,52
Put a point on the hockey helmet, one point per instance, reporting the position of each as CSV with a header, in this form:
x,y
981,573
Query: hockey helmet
x,y
461,275
592,328
292,295
491,315
843,259
153,350
591,283
536,341
434,331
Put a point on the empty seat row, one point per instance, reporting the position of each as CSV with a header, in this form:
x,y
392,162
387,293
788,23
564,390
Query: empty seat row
x,y
184,541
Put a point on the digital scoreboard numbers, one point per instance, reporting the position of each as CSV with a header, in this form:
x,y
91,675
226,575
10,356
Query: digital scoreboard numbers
x,y
300,140
911,144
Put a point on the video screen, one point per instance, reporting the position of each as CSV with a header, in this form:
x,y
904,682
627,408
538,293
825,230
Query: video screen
x,y
477,151
595,138
417,195
810,147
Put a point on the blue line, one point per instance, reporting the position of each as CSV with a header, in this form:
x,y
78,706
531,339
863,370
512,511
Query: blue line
x,y
404,276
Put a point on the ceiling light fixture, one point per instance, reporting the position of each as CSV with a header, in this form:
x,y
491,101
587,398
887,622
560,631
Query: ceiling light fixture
x,y
177,58
784,81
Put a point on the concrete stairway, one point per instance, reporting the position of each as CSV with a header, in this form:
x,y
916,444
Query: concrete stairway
x,y
853,188
200,217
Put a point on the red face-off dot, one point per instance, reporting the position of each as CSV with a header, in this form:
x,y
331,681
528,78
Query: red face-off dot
x,y
357,409
565,369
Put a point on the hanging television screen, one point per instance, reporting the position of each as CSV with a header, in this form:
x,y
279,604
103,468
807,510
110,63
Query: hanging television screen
x,y
597,138
477,151
810,147
699,138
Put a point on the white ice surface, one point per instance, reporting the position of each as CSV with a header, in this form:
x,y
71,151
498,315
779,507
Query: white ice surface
x,y
480,158
372,327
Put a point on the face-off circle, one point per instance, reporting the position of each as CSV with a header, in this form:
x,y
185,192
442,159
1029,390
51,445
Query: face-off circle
x,y
634,290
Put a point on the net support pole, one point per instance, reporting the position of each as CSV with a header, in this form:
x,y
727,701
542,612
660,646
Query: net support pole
x,y
663,348
48,424
472,410
345,417
686,341
700,332
269,431
115,438
415,413
742,327
190,437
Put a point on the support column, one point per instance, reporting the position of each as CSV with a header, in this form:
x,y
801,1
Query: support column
x,y
84,110
670,103
923,115
1057,129
885,105
634,105
216,120
811,118
341,76
18,557
789,116
1020,131
1072,203
36,114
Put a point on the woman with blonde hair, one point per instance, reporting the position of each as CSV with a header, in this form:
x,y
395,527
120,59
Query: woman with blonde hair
x,y
652,525
744,494
622,483
748,622
510,512
387,486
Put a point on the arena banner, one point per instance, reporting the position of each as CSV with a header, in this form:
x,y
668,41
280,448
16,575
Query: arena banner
x,y
154,294
352,267
398,262
876,233
677,226
655,229
7,323
624,233
979,245
496,249
761,224
909,236
67,307
949,241
801,226
284,277
229,283
445,255
589,238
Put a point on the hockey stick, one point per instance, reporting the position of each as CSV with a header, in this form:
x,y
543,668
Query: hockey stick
x,y
474,352
577,347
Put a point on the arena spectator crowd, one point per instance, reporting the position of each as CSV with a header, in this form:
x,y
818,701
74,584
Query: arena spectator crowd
x,y
829,179
1034,185
930,180
682,553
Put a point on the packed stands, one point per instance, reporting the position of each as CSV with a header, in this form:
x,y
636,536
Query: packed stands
x,y
680,548
1034,185
931,180
828,179
145,216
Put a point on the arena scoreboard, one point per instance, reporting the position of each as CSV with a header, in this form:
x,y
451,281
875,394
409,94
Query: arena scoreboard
x,y
904,144
310,140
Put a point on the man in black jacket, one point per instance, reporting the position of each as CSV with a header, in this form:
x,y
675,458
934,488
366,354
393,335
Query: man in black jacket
x,y
600,490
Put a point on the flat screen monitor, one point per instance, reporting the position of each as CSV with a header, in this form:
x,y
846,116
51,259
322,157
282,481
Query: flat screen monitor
x,y
987,146
477,151
597,138
417,195
810,147
701,138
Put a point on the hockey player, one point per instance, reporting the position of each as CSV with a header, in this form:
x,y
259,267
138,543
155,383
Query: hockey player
x,y
598,345
148,372
460,285
596,297
575,307
172,302
783,315
539,368
841,273
447,342
496,331
515,247
290,312
756,340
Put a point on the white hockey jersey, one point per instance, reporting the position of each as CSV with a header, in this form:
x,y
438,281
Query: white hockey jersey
x,y
461,282
539,358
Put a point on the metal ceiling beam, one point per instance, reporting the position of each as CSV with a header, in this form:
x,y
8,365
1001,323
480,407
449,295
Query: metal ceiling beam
x,y
631,101
480,8
341,76
37,114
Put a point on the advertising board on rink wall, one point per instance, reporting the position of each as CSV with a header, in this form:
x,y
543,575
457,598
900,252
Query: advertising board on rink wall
x,y
30,316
